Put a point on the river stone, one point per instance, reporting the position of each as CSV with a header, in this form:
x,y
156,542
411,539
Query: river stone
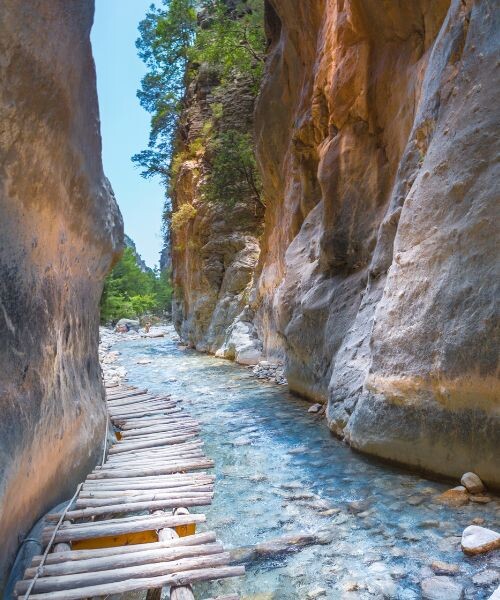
x,y
316,593
442,568
476,540
315,408
480,499
486,577
128,324
496,594
441,588
472,482
455,497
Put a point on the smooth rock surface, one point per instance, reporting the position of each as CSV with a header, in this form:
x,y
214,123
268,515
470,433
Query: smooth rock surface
x,y
472,482
375,138
60,231
476,540
441,588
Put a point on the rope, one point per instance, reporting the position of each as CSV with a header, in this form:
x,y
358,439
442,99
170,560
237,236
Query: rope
x,y
38,571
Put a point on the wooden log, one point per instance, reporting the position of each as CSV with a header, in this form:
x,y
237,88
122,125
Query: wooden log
x,y
126,394
121,561
144,423
162,480
154,460
143,402
109,509
153,493
161,451
207,537
225,597
141,497
118,448
184,592
169,431
67,582
143,583
135,399
118,418
130,401
147,408
159,429
114,527
173,478
186,465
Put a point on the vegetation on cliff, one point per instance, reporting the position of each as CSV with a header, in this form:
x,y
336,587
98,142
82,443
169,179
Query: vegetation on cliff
x,y
132,292
224,42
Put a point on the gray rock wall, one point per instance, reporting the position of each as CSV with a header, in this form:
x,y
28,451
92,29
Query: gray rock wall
x,y
60,230
378,266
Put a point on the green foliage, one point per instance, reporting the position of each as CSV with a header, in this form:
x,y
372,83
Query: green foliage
x,y
166,34
233,173
129,292
182,216
228,40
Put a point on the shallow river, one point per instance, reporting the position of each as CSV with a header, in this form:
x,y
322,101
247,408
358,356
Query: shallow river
x,y
280,472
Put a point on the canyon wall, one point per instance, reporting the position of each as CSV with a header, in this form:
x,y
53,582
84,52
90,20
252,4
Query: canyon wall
x,y
376,282
214,242
60,230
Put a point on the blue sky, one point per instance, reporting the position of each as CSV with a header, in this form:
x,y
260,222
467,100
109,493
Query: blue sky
x,y
124,124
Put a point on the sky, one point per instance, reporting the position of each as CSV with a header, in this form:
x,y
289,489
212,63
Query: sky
x,y
124,123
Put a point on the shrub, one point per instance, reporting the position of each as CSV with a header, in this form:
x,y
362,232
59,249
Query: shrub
x,y
182,216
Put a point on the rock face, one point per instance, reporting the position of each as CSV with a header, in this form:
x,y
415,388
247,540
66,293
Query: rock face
x,y
376,276
214,246
60,230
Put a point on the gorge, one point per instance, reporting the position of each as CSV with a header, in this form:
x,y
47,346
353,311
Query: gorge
x,y
375,148
331,174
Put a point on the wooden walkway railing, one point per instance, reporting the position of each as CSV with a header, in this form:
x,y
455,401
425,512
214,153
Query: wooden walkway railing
x,y
129,526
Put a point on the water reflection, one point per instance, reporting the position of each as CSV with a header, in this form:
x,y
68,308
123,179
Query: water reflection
x,y
280,471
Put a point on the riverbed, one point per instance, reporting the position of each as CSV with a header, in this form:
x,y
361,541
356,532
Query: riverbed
x,y
376,529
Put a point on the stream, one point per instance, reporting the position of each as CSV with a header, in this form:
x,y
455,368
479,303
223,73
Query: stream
x,y
376,529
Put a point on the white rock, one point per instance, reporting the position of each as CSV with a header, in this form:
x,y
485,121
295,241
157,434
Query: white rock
x,y
315,408
476,540
486,577
472,482
441,588
316,593
496,594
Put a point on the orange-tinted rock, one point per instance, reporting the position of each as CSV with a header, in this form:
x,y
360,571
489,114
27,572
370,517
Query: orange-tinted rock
x,y
376,144
60,229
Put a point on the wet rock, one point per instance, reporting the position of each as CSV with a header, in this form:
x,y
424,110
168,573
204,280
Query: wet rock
x,y
496,594
472,482
127,325
315,408
455,497
441,588
357,506
316,593
478,521
144,361
480,499
477,540
486,577
415,500
442,568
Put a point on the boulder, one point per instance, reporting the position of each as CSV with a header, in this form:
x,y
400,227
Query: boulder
x,y
455,497
128,324
472,482
476,540
441,588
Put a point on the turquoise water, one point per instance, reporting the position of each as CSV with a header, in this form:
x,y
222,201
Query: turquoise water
x,y
280,472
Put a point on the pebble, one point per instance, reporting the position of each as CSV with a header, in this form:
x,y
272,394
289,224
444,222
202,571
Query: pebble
x,y
480,499
486,577
316,593
472,482
442,568
476,540
455,497
441,588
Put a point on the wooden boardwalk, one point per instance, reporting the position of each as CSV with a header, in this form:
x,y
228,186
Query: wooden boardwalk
x,y
128,526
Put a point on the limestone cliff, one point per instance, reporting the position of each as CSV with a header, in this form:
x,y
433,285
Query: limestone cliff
x,y
376,281
214,244
60,230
